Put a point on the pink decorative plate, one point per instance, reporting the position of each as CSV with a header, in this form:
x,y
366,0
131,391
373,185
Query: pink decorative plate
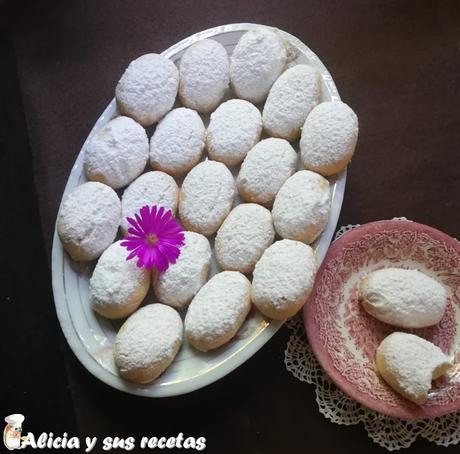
x,y
345,338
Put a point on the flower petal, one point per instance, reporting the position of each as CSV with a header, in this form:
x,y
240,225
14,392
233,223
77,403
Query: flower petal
x,y
132,254
136,231
133,222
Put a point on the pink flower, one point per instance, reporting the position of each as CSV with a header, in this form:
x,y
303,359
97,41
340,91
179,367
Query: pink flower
x,y
155,237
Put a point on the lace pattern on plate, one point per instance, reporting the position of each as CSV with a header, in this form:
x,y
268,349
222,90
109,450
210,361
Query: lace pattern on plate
x,y
390,433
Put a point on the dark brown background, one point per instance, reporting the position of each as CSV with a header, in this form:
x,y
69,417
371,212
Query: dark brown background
x,y
397,63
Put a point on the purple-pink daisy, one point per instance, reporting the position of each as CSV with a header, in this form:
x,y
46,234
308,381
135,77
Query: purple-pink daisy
x,y
154,237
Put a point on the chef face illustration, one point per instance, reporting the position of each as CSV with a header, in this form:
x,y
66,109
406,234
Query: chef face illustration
x,y
12,433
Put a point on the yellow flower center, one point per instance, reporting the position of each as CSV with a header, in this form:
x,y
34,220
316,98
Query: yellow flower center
x,y
152,239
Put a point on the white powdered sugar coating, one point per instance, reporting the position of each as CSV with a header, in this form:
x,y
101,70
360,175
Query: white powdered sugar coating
x,y
301,208
148,88
88,220
117,285
243,237
234,128
283,278
405,298
256,62
409,363
206,197
204,75
178,142
118,153
149,339
151,188
218,310
182,280
329,137
291,98
265,169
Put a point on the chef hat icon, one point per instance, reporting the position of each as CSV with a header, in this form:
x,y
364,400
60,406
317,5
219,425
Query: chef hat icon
x,y
15,420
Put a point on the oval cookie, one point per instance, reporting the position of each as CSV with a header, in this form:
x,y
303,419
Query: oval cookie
x,y
117,285
117,153
181,281
283,279
148,342
206,197
290,100
178,142
204,75
405,298
329,137
148,88
234,128
265,169
301,208
256,62
409,364
88,220
243,237
151,188
218,310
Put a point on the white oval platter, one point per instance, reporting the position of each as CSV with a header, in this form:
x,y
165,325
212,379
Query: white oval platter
x,y
91,336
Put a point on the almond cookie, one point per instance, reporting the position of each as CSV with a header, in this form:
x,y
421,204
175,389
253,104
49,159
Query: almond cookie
x,y
283,279
204,75
148,342
178,142
265,169
206,197
218,310
181,281
409,364
329,137
117,286
148,88
404,298
234,128
292,97
118,153
256,62
151,188
301,208
88,220
243,237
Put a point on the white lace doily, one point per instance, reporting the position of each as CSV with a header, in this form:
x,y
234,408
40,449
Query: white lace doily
x,y
335,405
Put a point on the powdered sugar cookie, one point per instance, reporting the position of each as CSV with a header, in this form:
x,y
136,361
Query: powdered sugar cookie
x,y
206,197
148,88
118,153
329,137
405,298
283,279
301,207
148,342
409,364
264,170
204,75
181,281
88,220
218,310
151,188
234,128
178,142
256,62
290,100
243,237
117,285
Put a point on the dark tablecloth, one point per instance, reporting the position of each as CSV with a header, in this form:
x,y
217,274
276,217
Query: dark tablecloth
x,y
397,63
